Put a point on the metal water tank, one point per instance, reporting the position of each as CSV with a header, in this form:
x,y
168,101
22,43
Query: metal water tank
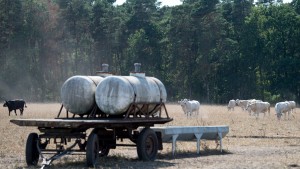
x,y
78,93
114,94
162,89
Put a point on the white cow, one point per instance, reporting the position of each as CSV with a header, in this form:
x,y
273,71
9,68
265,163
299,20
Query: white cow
x,y
282,107
292,105
231,105
251,101
242,103
189,106
258,107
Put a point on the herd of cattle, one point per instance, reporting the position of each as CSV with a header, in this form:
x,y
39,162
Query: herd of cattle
x,y
257,106
252,106
189,107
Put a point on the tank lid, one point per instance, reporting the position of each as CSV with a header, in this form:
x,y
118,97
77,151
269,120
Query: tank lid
x,y
105,67
137,70
137,67
104,72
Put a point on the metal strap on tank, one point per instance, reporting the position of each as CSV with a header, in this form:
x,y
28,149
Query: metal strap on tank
x,y
160,90
93,81
134,99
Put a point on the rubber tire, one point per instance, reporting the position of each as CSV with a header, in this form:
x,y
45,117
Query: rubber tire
x,y
31,151
92,150
147,145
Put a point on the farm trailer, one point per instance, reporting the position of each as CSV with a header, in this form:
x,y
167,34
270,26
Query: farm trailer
x,y
69,135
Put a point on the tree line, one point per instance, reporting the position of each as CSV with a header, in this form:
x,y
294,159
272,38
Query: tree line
x,y
208,50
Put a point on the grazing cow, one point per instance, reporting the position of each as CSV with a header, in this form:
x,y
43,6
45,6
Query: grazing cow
x,y
251,101
242,103
189,106
282,107
258,107
14,105
231,105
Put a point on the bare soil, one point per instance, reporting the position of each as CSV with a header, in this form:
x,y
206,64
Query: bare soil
x,y
251,143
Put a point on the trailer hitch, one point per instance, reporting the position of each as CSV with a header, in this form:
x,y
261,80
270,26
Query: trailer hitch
x,y
47,162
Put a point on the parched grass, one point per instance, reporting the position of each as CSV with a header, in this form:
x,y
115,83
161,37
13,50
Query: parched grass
x,y
245,132
239,122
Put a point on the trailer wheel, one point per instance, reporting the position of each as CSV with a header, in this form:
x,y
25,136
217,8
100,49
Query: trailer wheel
x,y
31,151
147,145
92,150
103,144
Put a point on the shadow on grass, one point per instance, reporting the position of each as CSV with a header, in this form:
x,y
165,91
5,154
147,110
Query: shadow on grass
x,y
188,154
112,162
119,161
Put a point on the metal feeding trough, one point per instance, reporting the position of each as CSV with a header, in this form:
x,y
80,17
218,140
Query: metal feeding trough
x,y
189,133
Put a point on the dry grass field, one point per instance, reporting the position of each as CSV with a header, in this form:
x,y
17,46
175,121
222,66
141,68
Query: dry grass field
x,y
250,143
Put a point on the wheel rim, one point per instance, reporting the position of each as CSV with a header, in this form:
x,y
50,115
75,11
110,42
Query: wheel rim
x,y
103,151
149,145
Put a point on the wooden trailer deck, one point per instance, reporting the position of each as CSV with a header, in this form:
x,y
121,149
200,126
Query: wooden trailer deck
x,y
90,123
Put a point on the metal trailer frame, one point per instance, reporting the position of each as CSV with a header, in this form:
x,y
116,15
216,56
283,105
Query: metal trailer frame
x,y
69,134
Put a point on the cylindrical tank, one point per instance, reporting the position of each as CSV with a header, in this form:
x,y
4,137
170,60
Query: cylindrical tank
x,y
78,93
162,89
114,94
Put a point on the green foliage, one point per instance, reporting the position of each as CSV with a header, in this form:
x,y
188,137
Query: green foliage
x,y
272,98
211,51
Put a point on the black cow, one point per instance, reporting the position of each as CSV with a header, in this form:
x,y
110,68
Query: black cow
x,y
14,105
